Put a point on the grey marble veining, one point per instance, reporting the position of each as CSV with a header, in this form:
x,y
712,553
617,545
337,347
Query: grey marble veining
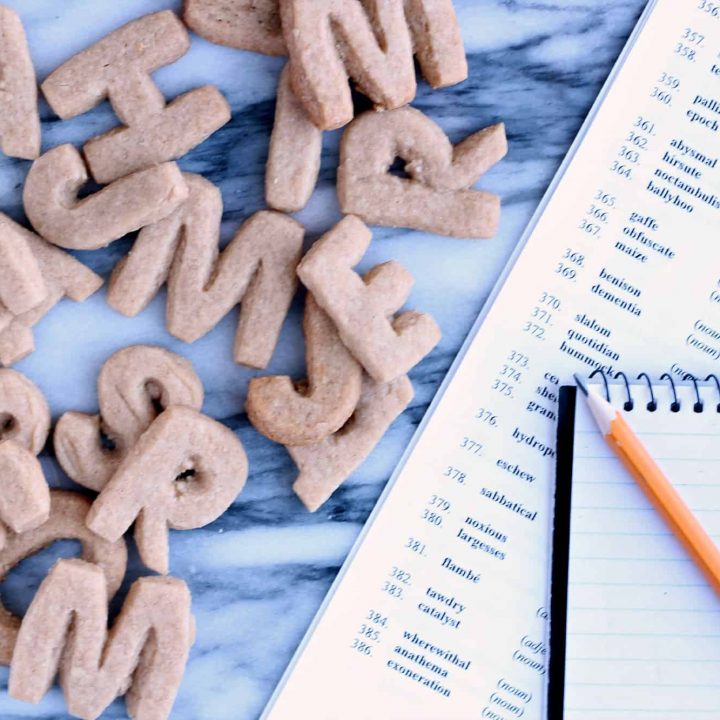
x,y
259,573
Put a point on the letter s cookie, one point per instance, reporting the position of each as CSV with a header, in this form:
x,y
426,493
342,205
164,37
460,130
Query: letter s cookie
x,y
134,385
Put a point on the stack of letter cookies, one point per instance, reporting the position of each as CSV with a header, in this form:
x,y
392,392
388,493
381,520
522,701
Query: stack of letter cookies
x,y
150,456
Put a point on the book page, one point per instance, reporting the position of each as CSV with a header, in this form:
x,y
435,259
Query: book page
x,y
643,624
441,609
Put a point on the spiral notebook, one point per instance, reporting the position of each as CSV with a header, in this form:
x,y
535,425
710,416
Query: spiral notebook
x,y
635,627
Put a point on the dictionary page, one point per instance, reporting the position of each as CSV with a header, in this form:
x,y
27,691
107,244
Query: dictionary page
x,y
643,624
440,612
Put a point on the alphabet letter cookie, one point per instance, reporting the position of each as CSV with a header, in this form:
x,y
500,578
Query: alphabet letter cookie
x,y
68,511
295,149
326,465
437,196
328,40
437,41
255,25
65,632
52,206
134,386
118,67
22,286
307,414
243,24
362,308
19,118
61,275
183,473
257,268
24,424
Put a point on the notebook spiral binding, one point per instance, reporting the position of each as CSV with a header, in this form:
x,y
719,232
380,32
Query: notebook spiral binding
x,y
652,405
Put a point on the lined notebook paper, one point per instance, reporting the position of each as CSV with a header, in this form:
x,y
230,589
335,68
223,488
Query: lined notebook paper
x,y
641,623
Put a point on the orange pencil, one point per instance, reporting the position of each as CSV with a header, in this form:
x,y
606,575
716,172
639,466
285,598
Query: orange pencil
x,y
655,485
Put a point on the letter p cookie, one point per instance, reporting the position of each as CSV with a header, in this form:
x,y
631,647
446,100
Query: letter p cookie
x,y
183,473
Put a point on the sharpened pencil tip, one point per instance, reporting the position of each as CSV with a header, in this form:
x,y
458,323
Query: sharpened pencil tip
x,y
581,385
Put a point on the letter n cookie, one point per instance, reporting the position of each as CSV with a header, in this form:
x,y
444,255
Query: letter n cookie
x,y
329,40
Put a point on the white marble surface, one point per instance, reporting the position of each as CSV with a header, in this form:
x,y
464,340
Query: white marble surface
x,y
260,572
